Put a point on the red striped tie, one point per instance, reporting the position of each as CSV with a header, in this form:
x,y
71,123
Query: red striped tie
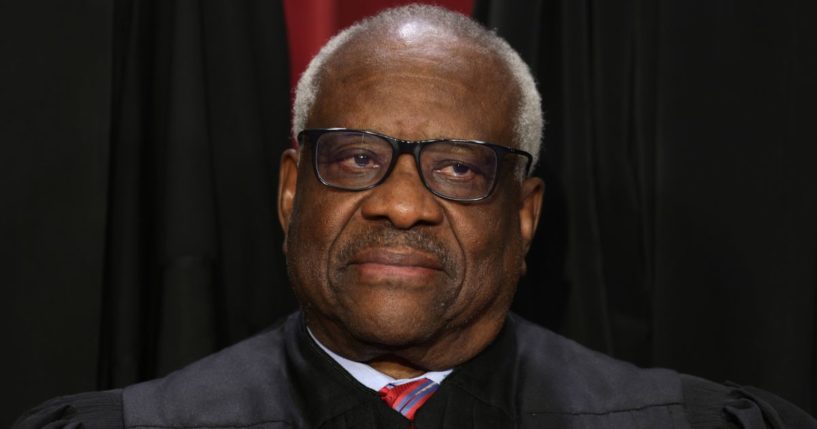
x,y
407,398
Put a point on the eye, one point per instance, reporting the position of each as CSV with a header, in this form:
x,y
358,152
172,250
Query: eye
x,y
460,169
356,159
455,170
362,160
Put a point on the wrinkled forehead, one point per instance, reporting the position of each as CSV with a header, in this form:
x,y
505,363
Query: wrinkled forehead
x,y
420,63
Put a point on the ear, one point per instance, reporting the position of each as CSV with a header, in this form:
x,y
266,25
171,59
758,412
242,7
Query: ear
x,y
287,182
533,191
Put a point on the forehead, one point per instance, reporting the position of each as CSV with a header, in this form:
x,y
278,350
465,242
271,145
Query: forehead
x,y
417,85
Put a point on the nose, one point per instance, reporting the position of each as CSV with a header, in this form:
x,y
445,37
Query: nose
x,y
402,199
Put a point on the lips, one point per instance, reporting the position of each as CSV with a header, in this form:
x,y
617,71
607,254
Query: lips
x,y
382,254
406,258
391,266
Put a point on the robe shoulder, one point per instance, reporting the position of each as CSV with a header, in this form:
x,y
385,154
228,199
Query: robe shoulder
x,y
244,385
573,379
570,381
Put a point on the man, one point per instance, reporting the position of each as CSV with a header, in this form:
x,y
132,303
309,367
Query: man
x,y
406,234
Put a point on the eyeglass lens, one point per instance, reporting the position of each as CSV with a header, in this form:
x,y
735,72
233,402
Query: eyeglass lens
x,y
355,160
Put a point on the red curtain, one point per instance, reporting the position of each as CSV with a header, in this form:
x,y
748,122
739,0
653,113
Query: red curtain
x,y
310,23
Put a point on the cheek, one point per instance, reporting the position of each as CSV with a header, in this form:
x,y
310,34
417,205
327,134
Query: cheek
x,y
320,212
318,218
493,249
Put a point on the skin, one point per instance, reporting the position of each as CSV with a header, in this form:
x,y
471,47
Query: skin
x,y
395,276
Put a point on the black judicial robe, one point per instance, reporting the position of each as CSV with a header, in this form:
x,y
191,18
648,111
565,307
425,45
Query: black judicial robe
x,y
528,378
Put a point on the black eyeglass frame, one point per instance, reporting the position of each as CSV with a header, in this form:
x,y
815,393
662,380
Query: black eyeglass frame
x,y
414,147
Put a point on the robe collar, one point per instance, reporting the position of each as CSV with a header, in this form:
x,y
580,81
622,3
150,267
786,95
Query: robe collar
x,y
325,390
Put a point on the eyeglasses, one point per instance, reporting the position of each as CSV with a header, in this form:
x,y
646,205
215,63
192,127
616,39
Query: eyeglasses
x,y
355,160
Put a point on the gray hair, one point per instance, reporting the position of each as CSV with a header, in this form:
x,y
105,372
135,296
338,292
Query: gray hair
x,y
528,123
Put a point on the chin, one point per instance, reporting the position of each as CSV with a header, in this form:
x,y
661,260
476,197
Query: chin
x,y
392,327
393,314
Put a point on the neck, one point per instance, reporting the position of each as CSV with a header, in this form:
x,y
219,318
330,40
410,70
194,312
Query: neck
x,y
395,367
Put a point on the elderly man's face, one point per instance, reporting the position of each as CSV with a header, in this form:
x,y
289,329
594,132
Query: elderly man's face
x,y
396,269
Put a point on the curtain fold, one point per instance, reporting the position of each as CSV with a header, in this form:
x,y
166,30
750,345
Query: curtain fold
x,y
202,115
55,96
680,149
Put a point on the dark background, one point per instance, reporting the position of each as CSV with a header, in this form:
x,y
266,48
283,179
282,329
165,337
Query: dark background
x,y
138,169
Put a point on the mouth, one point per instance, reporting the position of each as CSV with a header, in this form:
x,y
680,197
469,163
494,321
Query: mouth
x,y
395,262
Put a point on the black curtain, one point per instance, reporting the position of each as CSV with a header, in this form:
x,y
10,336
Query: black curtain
x,y
679,163
140,145
200,116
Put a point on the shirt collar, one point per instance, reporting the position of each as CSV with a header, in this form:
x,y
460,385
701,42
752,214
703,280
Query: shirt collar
x,y
372,378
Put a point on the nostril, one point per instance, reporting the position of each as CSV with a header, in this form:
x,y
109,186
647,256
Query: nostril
x,y
403,203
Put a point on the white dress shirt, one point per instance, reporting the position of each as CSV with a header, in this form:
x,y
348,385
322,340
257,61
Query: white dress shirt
x,y
372,378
